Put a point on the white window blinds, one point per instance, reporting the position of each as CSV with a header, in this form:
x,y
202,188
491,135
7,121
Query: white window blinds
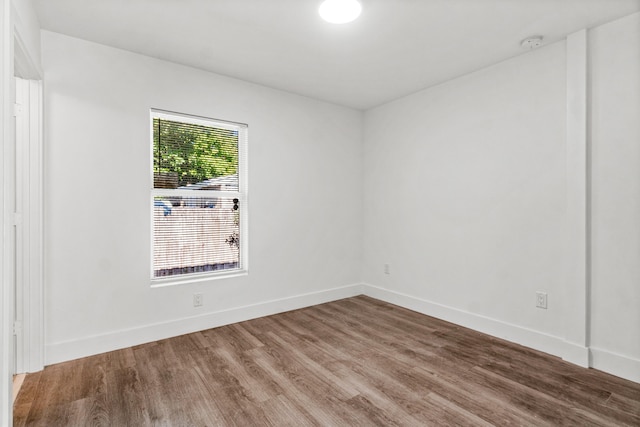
x,y
198,195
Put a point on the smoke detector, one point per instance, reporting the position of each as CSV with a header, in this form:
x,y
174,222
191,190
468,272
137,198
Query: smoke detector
x,y
532,42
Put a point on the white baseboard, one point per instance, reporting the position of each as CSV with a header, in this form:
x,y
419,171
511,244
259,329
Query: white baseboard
x,y
622,366
577,354
615,364
96,344
514,333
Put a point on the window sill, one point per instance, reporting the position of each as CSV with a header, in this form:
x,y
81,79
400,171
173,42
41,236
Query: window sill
x,y
196,278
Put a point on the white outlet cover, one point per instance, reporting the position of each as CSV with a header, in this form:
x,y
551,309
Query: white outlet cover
x,y
197,300
541,300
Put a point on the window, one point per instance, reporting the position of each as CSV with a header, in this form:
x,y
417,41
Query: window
x,y
199,197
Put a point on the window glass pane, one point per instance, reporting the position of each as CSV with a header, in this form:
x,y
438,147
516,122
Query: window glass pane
x,y
195,234
194,156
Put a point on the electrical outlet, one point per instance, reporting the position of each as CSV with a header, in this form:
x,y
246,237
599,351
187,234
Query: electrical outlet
x,y
197,300
541,300
387,269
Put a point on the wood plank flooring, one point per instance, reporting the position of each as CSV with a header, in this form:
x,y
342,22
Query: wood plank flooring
x,y
354,362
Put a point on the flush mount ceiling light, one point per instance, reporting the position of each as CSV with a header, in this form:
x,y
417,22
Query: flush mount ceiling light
x,y
340,11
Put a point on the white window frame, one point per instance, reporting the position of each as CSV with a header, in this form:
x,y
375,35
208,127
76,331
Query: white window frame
x,y
241,195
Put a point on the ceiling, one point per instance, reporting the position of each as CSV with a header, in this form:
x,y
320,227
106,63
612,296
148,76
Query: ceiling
x,y
395,48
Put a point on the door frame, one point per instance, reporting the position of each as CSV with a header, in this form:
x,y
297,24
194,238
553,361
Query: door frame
x,y
6,281
29,295
14,56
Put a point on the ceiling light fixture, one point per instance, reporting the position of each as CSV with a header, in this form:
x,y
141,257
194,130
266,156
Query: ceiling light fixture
x,y
340,11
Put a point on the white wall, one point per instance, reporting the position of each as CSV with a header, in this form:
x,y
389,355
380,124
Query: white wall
x,y
27,32
466,198
615,202
305,181
464,193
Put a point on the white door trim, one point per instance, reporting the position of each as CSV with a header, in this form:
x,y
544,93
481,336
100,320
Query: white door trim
x,y
6,281
29,232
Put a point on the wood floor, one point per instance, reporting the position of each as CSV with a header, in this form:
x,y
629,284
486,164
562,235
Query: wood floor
x,y
354,362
